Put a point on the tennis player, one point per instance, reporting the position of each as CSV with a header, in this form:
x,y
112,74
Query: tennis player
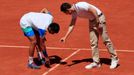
x,y
35,25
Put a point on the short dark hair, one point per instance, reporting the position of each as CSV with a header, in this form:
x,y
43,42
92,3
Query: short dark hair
x,y
65,6
54,27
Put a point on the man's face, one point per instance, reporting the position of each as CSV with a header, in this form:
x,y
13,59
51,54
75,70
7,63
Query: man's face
x,y
51,32
68,12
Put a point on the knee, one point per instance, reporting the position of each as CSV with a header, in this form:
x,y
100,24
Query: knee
x,y
107,43
33,42
94,44
106,40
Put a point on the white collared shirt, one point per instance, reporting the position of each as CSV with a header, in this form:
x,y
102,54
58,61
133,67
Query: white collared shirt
x,y
82,8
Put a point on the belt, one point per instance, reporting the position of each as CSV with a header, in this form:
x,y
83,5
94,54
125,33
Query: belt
x,y
100,14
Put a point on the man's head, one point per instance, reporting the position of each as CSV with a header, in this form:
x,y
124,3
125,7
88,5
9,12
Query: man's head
x,y
66,8
53,28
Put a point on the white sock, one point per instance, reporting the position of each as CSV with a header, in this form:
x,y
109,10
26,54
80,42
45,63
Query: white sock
x,y
30,61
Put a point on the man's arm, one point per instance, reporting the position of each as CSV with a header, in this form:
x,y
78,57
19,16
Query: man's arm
x,y
44,10
70,29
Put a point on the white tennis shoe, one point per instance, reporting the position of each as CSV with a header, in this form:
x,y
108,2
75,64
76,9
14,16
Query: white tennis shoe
x,y
93,65
114,63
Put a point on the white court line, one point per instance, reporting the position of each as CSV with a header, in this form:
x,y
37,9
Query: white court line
x,y
118,50
59,48
53,68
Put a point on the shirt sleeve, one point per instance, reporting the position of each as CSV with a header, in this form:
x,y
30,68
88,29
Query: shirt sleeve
x,y
74,15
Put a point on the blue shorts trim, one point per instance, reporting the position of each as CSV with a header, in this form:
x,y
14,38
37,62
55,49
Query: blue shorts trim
x,y
29,32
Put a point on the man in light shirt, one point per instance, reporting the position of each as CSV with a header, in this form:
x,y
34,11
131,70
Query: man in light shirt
x,y
97,26
35,25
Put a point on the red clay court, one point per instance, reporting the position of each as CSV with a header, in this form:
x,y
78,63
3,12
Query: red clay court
x,y
75,53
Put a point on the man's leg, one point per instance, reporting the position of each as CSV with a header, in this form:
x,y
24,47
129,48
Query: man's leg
x,y
29,33
31,52
94,37
42,47
108,43
38,47
94,45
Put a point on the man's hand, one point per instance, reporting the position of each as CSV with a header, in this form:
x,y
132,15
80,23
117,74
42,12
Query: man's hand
x,y
47,63
44,39
44,10
63,39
